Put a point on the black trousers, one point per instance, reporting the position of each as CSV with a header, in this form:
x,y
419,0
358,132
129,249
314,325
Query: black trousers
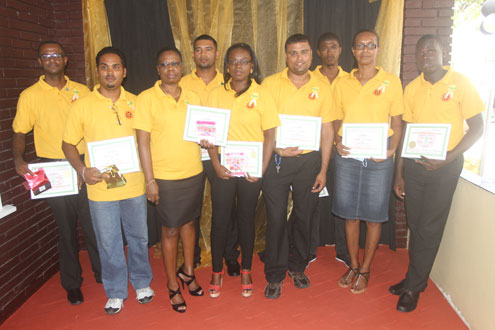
x,y
66,211
227,195
428,200
285,251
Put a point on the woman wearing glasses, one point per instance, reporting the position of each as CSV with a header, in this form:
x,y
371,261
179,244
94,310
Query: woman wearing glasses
x,y
172,169
253,118
362,186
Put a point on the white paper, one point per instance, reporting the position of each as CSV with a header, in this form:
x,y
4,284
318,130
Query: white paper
x,y
428,140
299,131
120,152
241,157
62,176
365,140
207,123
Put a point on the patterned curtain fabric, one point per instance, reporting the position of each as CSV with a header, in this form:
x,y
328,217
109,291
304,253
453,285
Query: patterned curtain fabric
x,y
96,36
389,27
191,18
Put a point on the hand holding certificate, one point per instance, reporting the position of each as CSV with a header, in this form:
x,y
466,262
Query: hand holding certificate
x,y
427,140
62,176
299,131
205,123
121,152
242,158
365,140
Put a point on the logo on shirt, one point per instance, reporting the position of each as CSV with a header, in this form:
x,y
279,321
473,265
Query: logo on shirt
x,y
131,105
380,90
128,114
449,94
75,97
251,104
314,93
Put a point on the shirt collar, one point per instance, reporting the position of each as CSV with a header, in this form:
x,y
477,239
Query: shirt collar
x,y
445,79
122,96
46,86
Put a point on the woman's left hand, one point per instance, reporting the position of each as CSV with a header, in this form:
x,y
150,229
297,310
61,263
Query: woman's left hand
x,y
250,178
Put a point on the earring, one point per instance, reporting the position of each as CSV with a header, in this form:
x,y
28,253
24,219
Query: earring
x,y
251,71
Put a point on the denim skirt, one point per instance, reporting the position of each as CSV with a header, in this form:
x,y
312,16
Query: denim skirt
x,y
180,200
362,189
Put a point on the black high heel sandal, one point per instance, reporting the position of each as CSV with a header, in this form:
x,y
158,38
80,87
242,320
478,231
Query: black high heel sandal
x,y
198,292
176,307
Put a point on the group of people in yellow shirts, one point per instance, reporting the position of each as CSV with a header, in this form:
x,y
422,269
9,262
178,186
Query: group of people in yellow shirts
x,y
65,116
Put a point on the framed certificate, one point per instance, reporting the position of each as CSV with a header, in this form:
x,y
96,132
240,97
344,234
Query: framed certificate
x,y
365,140
241,157
121,152
299,131
62,176
204,154
428,140
207,123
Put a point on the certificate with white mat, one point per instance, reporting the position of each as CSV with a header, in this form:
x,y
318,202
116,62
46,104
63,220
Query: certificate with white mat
x,y
62,176
121,152
299,131
428,140
365,140
207,123
241,157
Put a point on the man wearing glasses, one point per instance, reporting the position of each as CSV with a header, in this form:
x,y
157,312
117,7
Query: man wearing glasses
x,y
117,206
43,107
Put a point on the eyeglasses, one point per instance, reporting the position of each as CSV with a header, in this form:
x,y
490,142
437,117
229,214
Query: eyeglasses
x,y
369,46
55,56
241,62
116,113
167,64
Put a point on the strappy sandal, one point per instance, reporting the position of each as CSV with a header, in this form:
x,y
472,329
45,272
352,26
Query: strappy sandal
x,y
365,276
346,280
198,292
176,307
247,289
214,289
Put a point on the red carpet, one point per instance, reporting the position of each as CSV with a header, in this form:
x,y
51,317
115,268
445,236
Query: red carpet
x,y
322,306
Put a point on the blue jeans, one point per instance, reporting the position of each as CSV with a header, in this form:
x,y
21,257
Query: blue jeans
x,y
109,218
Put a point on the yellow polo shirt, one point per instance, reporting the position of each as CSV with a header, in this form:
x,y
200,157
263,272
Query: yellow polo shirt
x,y
375,102
44,108
197,85
164,118
93,119
251,113
313,99
451,100
320,75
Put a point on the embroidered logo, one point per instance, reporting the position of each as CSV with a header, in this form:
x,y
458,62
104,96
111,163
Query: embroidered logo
x,y
450,93
380,90
129,114
131,105
314,94
75,97
251,104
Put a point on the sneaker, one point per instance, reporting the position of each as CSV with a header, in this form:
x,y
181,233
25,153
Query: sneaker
x,y
273,290
145,295
301,281
114,306
343,258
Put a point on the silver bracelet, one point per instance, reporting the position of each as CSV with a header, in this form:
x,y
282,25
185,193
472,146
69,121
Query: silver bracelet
x,y
84,179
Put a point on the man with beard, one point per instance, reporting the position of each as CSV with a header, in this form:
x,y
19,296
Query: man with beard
x,y
202,81
296,91
44,107
106,114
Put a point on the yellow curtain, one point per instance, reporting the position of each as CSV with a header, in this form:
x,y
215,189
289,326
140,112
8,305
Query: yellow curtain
x,y
96,35
389,27
192,18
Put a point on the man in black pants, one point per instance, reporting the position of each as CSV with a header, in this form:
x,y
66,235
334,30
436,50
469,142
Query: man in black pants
x,y
202,80
44,107
296,91
438,95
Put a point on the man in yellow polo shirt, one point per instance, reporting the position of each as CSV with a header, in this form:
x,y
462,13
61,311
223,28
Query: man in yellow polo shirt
x,y
107,113
43,107
438,95
296,91
204,78
329,50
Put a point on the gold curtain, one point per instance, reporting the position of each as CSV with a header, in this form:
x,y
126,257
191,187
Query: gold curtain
x,y
389,27
192,18
96,35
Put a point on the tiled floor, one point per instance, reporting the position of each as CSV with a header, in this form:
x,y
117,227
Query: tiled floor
x,y
322,306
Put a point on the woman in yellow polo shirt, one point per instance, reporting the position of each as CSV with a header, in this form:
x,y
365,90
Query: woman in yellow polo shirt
x,y
253,118
172,169
363,186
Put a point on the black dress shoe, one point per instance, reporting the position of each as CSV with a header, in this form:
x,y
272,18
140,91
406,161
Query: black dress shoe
x,y
397,288
408,301
233,268
75,297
